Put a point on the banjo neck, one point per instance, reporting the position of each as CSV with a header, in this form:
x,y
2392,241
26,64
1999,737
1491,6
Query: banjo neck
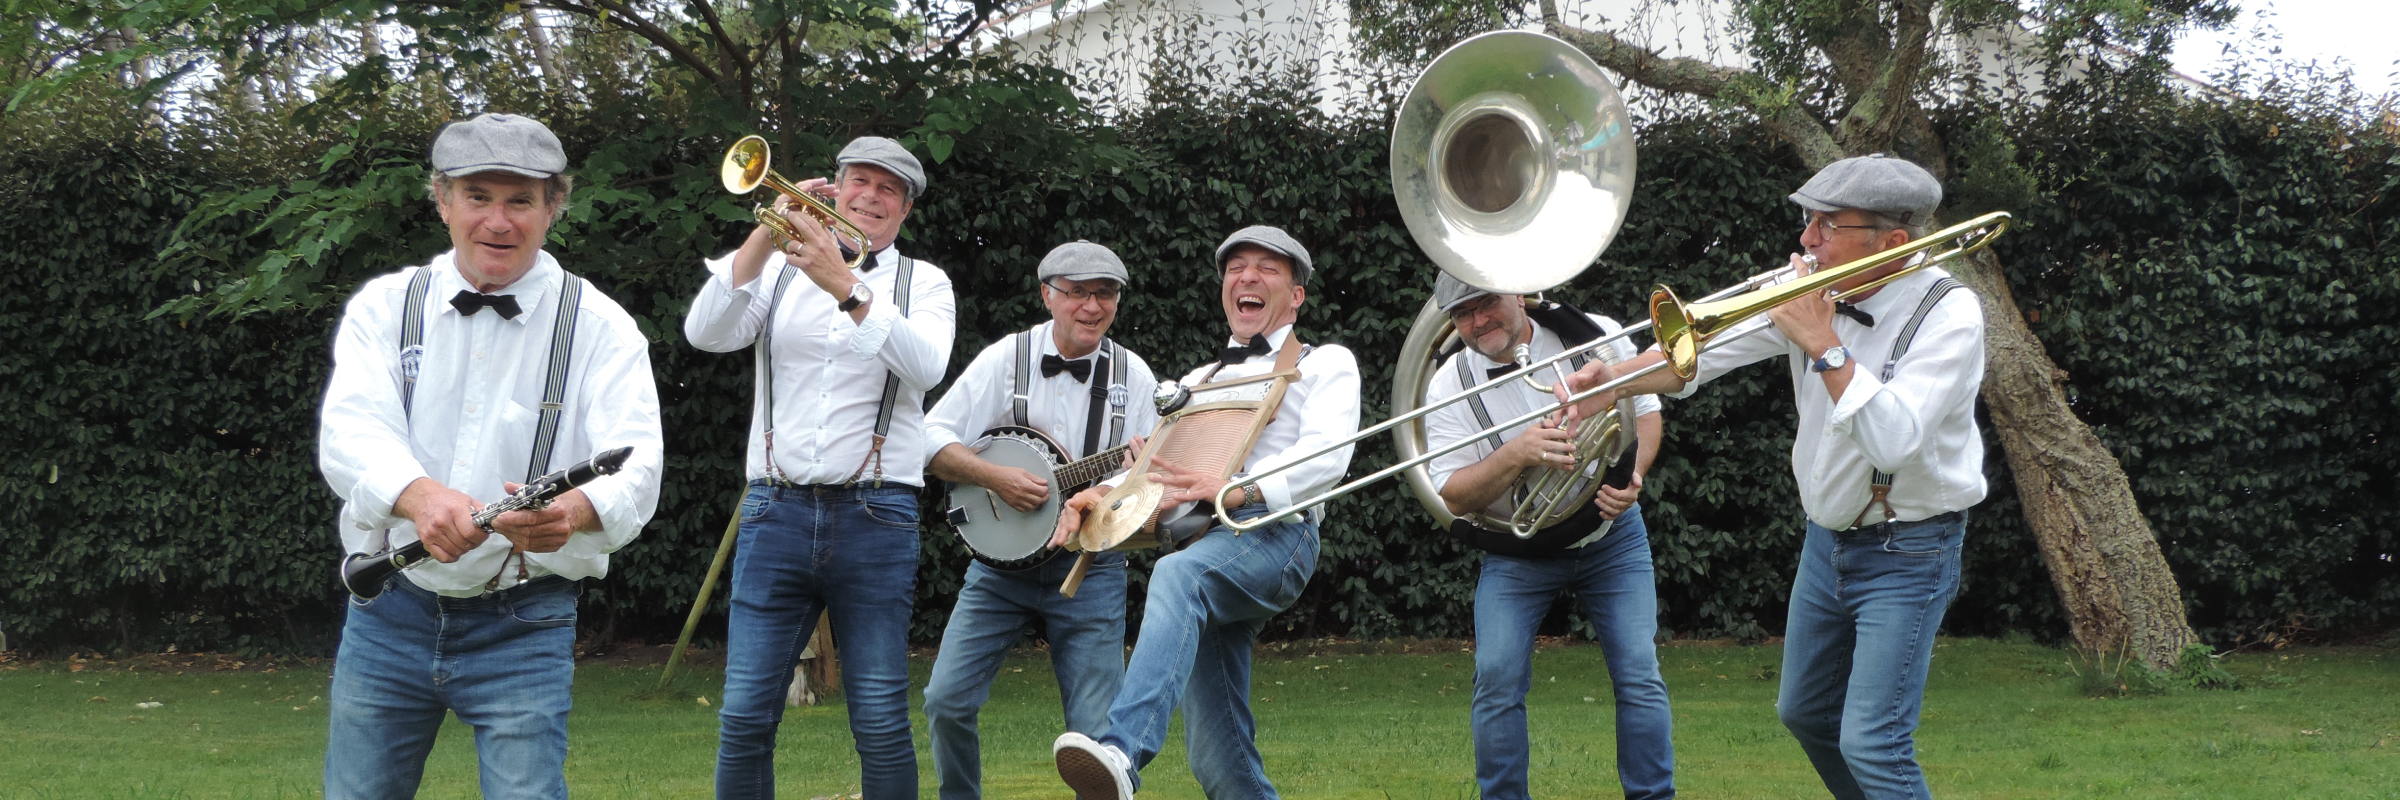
x,y
1081,473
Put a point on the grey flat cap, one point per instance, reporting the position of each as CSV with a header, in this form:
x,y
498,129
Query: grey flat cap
x,y
1450,293
1083,261
503,142
1893,187
888,155
1274,240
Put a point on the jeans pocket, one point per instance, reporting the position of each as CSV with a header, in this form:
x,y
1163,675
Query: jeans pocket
x,y
755,503
1923,541
552,609
898,510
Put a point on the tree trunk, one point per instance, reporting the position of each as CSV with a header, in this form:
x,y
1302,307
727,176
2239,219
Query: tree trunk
x,y
2119,595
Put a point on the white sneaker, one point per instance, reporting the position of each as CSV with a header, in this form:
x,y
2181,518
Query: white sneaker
x,y
1095,771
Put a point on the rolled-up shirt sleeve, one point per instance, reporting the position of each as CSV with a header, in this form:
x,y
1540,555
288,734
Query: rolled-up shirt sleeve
x,y
1328,414
725,317
623,412
915,347
1889,421
362,436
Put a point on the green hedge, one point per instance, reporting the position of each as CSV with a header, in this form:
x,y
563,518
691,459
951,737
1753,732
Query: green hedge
x,y
2214,281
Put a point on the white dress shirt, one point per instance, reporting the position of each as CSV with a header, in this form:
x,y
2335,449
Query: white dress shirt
x,y
829,371
1059,405
478,395
1920,427
1319,409
1456,422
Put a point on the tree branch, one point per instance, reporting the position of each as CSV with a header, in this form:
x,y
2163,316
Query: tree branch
x,y
623,17
725,43
1880,106
1699,78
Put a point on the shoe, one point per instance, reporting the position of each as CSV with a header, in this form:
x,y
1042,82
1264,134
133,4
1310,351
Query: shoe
x,y
1095,771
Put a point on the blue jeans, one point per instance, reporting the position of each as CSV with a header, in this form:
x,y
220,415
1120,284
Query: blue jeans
x,y
1206,605
1864,611
1087,652
503,662
849,551
1612,577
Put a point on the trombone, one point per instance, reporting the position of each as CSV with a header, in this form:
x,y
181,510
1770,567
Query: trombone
x,y
746,167
1685,330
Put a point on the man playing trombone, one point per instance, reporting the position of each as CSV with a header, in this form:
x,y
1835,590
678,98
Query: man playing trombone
x,y
1208,599
1888,460
836,455
1602,553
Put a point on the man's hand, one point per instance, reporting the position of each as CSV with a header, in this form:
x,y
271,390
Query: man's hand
x,y
817,253
1614,501
546,530
1593,373
1016,487
445,518
1070,515
1545,444
1185,486
1807,320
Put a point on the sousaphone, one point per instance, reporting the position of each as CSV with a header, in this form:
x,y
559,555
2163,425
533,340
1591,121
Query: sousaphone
x,y
1513,165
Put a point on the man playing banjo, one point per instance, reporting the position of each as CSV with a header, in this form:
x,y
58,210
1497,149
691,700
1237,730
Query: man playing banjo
x,y
1209,598
1066,380
1602,553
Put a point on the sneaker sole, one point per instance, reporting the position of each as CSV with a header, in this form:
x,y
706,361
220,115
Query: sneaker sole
x,y
1084,773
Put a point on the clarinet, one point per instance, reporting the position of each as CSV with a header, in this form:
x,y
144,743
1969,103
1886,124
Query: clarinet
x,y
364,575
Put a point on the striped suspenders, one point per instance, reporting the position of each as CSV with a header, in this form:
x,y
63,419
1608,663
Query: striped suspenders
x,y
1881,483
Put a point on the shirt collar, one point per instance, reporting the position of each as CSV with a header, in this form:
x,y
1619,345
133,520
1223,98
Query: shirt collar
x,y
1899,298
530,289
1274,340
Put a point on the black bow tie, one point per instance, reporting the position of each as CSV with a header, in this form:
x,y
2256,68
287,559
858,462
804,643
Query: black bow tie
x,y
1236,355
872,262
467,301
1851,311
1494,373
1081,368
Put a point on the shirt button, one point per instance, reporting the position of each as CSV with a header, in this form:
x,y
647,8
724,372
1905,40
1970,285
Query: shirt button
x,y
470,408
462,462
478,354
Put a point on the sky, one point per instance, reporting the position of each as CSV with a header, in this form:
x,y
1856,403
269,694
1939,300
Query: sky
x,y
2365,33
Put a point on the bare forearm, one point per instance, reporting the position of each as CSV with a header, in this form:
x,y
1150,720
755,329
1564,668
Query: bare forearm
x,y
1651,428
956,464
1476,486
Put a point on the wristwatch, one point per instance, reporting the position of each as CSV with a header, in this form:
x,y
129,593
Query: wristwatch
x,y
1833,359
859,295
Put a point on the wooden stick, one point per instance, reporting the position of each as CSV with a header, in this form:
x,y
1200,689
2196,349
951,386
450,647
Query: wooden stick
x,y
708,586
1075,577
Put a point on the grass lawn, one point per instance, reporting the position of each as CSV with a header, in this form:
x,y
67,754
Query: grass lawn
x,y
2002,720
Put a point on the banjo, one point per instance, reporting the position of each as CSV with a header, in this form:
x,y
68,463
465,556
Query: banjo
x,y
1008,539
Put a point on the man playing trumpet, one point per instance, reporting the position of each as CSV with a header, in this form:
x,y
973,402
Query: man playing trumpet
x,y
1211,596
1602,554
1888,460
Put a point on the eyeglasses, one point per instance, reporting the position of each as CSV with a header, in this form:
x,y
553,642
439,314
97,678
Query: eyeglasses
x,y
1105,295
1473,307
1826,226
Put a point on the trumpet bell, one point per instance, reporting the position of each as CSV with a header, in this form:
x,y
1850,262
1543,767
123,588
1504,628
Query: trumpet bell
x,y
745,165
1513,161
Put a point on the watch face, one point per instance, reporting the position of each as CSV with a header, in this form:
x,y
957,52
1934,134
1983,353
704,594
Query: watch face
x,y
1835,358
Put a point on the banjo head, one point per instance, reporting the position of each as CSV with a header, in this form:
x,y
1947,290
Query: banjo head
x,y
995,533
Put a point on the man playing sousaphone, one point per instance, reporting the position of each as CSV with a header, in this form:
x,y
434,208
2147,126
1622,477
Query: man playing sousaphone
x,y
1066,379
1209,598
1602,553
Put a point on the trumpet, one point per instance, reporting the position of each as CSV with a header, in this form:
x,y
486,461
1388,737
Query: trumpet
x,y
1684,331
746,167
